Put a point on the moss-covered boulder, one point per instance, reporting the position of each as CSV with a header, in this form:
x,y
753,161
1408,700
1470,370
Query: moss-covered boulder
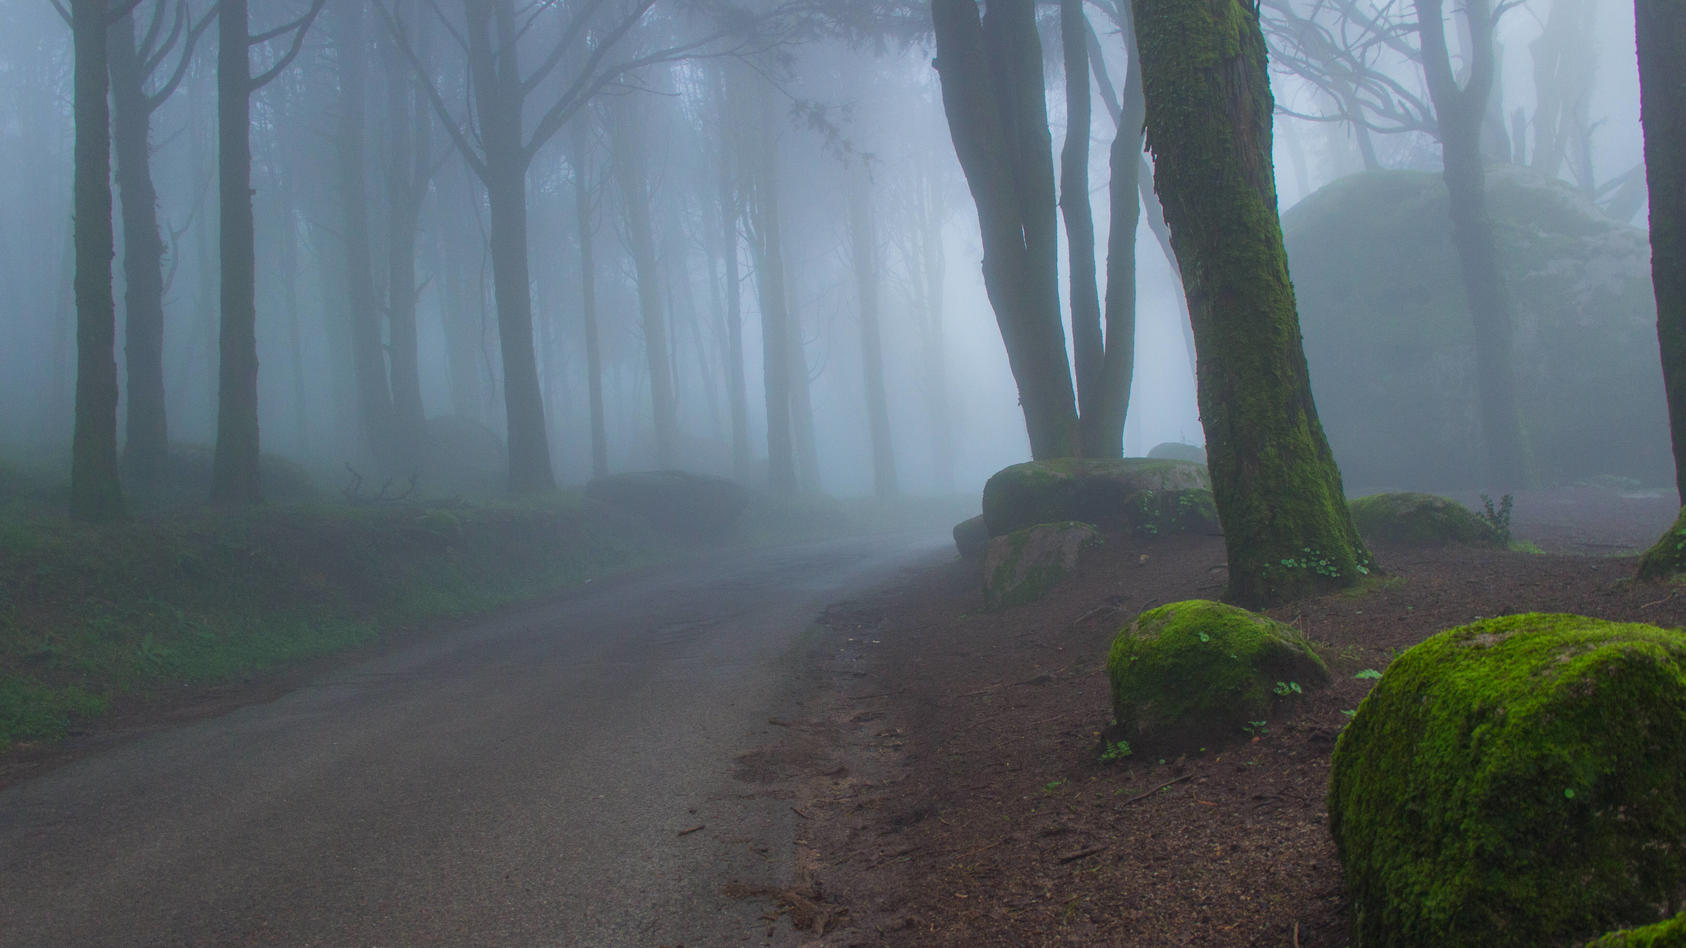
x,y
1421,519
1090,490
971,538
1389,341
1196,672
1022,566
1666,559
1669,934
1515,783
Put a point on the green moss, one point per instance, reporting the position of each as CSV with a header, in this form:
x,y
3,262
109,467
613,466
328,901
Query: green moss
x,y
1421,519
1515,783
1022,566
1091,490
1669,934
1200,671
1666,559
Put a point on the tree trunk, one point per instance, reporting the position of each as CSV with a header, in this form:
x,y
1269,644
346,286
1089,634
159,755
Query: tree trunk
x,y
498,101
1118,371
146,445
234,467
801,395
736,387
1287,528
775,328
374,393
588,298
991,72
1460,113
632,174
408,174
864,243
1660,28
1087,343
95,493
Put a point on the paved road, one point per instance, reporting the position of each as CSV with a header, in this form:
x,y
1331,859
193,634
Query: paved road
x,y
521,782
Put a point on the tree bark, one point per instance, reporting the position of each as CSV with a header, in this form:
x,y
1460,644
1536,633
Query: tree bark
x,y
1461,112
498,100
775,329
731,211
95,492
864,244
588,298
1660,30
1087,343
146,444
408,174
234,467
1287,528
1118,370
991,72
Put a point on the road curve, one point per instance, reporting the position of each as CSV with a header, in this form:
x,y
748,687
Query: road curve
x,y
522,781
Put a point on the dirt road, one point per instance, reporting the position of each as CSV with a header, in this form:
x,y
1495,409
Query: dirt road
x,y
562,775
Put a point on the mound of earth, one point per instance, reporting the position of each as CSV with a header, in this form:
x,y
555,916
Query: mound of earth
x,y
1388,336
674,502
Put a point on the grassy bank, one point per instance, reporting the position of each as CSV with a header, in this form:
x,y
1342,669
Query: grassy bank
x,y
94,614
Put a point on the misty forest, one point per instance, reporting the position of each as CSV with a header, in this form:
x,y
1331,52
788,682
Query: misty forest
x,y
854,472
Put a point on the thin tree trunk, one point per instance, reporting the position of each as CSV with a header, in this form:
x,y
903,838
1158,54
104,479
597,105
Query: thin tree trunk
x,y
146,444
1660,28
1118,371
1287,528
864,242
731,212
95,493
588,298
801,396
234,469
1088,345
374,393
775,322
408,174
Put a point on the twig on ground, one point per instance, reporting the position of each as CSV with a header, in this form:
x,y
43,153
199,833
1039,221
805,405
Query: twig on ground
x,y
1081,854
1296,935
687,832
1143,796
800,813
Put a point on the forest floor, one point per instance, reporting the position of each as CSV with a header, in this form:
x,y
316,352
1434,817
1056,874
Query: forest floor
x,y
948,767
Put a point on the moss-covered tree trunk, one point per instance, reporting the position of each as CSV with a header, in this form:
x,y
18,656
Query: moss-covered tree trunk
x,y
991,71
1660,29
1286,525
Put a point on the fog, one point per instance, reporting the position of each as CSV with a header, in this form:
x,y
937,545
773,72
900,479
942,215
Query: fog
x,y
840,107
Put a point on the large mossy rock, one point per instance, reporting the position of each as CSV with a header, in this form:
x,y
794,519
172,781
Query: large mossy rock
x,y
1669,934
1107,493
1021,566
1389,341
1178,451
1515,783
674,502
1421,520
1666,559
1196,672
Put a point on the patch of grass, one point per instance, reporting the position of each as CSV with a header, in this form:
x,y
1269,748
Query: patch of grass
x,y
89,614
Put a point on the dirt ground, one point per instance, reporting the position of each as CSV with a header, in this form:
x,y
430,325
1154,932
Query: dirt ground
x,y
948,774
